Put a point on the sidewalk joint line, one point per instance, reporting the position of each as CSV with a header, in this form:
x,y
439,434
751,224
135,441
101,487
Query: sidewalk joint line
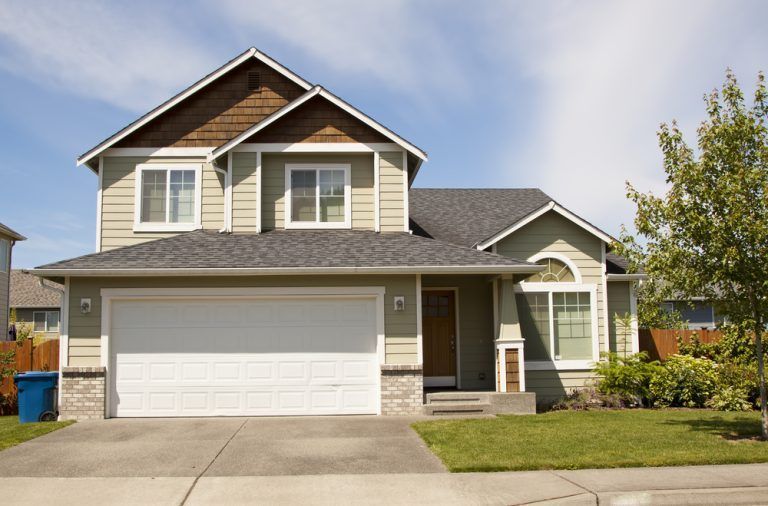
x,y
194,483
597,497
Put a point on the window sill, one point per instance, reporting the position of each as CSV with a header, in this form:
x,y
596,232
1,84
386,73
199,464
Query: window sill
x,y
559,365
165,227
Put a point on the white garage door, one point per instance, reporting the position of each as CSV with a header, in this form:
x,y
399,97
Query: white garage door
x,y
309,356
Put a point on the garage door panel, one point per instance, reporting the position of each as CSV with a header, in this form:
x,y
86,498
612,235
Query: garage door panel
x,y
262,357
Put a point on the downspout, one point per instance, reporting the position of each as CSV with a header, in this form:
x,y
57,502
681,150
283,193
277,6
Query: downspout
x,y
227,228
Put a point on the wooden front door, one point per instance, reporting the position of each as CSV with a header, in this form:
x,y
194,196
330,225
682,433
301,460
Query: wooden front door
x,y
438,314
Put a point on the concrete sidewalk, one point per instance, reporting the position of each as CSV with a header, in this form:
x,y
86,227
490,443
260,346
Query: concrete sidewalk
x,y
736,484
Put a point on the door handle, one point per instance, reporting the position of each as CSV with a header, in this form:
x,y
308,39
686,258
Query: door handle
x,y
453,343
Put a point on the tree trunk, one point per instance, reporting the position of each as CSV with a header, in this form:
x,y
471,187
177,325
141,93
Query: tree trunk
x,y
761,378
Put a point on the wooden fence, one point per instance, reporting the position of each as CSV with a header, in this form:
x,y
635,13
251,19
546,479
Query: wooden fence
x,y
43,356
661,343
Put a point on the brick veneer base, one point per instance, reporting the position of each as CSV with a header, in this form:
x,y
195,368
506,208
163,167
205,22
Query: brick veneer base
x,y
82,393
402,390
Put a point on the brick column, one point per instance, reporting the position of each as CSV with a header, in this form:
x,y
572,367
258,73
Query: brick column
x,y
82,393
402,389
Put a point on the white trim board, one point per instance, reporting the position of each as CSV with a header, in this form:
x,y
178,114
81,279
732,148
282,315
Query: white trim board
x,y
202,83
551,206
316,147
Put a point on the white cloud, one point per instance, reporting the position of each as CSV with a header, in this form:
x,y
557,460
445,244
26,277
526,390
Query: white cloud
x,y
395,45
110,52
604,75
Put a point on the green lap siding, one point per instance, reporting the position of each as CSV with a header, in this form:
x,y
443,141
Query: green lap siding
x,y
618,308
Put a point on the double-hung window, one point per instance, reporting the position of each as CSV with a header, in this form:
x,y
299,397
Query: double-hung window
x,y
5,255
167,197
45,321
558,318
317,196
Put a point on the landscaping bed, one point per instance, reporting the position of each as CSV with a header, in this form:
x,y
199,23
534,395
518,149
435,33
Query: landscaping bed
x,y
596,439
12,432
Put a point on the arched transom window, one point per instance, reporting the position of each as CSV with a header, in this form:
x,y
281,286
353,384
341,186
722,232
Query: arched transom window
x,y
555,272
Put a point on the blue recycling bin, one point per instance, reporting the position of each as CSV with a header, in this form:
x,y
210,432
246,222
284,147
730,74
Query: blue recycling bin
x,y
36,395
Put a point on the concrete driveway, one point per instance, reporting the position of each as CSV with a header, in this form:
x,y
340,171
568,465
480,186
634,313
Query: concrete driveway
x,y
196,447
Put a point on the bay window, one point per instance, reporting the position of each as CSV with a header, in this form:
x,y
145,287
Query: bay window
x,y
167,197
317,196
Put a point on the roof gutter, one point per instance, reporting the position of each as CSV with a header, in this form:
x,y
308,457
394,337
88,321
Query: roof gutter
x,y
274,271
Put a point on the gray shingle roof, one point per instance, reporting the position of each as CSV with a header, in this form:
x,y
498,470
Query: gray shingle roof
x,y
616,264
285,249
27,292
469,216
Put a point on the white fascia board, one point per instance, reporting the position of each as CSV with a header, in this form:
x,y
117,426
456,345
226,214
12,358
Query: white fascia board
x,y
551,206
271,271
316,147
264,123
625,277
154,113
159,152
386,132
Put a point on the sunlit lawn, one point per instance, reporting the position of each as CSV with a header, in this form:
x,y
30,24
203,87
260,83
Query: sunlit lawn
x,y
596,439
12,432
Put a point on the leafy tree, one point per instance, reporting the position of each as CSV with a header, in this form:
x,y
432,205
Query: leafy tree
x,y
708,235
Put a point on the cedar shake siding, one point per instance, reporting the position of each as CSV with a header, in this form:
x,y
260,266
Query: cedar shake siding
x,y
219,112
318,121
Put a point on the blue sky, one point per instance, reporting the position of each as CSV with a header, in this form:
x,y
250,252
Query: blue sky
x,y
566,96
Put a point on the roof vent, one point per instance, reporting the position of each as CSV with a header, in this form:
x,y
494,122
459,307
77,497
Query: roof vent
x,y
254,81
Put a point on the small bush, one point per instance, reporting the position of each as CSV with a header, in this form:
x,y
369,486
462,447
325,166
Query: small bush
x,y
684,381
729,398
584,399
627,378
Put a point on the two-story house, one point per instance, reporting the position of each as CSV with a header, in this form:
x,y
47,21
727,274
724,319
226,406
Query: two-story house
x,y
260,251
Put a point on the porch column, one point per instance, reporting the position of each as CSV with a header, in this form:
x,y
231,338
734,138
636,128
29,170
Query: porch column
x,y
510,343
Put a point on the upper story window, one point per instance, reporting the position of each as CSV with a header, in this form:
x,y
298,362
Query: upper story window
x,y
5,254
556,271
167,197
317,196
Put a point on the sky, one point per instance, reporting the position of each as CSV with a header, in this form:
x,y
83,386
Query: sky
x,y
566,96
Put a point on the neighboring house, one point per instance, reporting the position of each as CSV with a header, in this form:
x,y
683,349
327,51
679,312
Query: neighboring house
x,y
35,305
260,252
7,239
695,313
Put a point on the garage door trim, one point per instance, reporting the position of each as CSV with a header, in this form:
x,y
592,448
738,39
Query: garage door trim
x,y
109,295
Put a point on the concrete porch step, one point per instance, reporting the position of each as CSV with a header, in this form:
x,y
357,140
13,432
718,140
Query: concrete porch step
x,y
458,397
473,408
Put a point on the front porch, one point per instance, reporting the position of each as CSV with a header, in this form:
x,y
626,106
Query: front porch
x,y
471,347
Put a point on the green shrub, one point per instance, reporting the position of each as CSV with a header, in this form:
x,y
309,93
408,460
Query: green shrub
x,y
583,399
684,381
628,377
729,398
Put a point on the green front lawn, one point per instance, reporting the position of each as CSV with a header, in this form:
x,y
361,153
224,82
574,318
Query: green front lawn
x,y
595,439
12,432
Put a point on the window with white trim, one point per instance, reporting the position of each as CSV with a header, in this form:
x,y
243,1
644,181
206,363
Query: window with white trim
x,y
558,317
45,321
5,254
317,196
167,197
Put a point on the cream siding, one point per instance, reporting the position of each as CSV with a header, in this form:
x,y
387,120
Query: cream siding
x,y
3,302
244,192
620,333
399,326
273,182
553,233
391,191
118,200
475,323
